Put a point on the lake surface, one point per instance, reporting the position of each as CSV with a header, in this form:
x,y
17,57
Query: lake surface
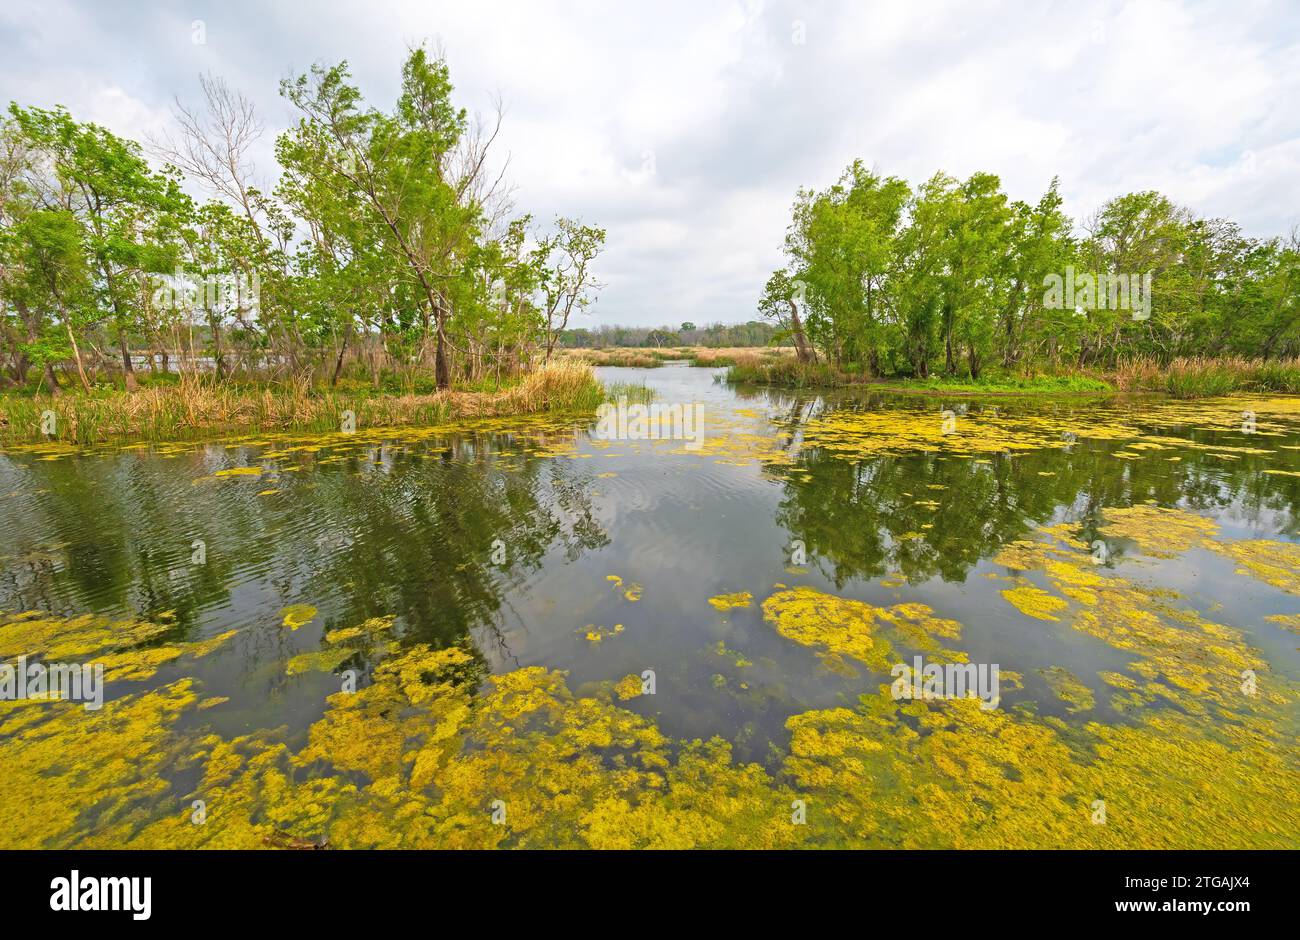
x,y
1129,566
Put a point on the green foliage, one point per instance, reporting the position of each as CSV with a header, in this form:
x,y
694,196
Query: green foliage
x,y
383,246
955,278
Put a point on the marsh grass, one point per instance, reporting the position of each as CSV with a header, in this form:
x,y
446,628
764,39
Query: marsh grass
x,y
198,406
1181,378
788,372
1203,378
634,393
632,358
728,356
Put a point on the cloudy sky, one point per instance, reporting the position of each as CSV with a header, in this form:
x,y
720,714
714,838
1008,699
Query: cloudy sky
x,y
685,128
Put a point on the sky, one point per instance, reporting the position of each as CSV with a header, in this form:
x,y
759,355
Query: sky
x,y
685,129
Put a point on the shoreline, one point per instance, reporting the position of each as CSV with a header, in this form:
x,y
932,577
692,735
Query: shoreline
x,y
201,411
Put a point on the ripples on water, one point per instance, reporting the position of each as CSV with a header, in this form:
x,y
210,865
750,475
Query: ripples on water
x,y
407,523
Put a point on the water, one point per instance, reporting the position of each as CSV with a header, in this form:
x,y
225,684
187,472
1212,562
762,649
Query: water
x,y
523,541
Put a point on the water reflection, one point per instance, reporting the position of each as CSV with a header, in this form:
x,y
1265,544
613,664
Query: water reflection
x,y
504,540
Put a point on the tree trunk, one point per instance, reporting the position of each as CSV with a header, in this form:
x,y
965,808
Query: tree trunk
x,y
128,370
76,354
52,381
343,348
218,355
441,367
802,349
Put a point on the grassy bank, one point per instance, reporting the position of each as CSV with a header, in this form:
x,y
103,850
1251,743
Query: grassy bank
x,y
1201,378
199,407
1006,385
1181,378
788,372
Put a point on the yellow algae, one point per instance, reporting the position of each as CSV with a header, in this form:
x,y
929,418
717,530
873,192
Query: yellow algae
x,y
326,660
971,778
239,472
419,758
66,762
628,687
1161,533
726,602
128,650
1185,658
365,629
838,627
739,661
1290,621
1275,563
73,638
142,664
297,615
595,634
1035,602
1066,686
1074,575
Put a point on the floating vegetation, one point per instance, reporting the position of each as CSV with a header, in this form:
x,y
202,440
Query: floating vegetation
x,y
411,759
855,434
239,472
127,649
1275,563
1166,711
627,687
1290,621
1067,687
1035,602
725,602
595,634
630,592
1182,657
1160,532
416,759
838,627
297,615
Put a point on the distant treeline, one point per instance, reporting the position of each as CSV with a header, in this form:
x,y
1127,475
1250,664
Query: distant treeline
x,y
752,333
389,238
955,277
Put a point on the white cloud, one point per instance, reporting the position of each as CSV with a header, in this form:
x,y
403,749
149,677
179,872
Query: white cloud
x,y
685,128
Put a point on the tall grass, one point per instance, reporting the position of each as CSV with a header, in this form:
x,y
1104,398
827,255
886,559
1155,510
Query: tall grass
x,y
787,372
198,406
727,356
636,358
634,393
1200,377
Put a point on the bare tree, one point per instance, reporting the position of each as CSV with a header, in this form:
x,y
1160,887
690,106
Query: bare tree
x,y
214,144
